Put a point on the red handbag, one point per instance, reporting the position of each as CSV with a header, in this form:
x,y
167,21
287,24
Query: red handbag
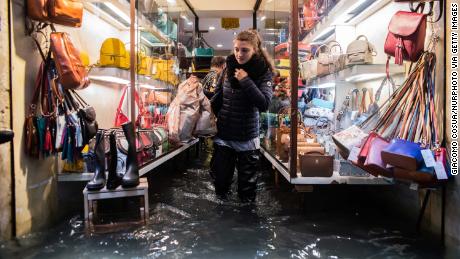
x,y
406,36
144,118
120,117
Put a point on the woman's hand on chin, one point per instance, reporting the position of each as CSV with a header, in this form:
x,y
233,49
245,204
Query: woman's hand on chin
x,y
240,74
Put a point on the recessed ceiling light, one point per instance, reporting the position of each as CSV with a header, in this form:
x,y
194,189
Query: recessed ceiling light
x,y
220,45
189,23
212,28
234,33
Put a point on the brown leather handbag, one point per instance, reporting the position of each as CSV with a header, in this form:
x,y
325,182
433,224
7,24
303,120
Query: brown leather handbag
x,y
64,12
72,73
316,164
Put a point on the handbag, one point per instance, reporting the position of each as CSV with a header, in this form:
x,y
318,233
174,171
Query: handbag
x,y
422,176
349,110
339,60
346,139
374,163
159,97
365,147
360,51
87,115
309,69
63,12
315,164
325,61
120,117
40,123
114,54
406,36
206,124
404,154
72,73
310,17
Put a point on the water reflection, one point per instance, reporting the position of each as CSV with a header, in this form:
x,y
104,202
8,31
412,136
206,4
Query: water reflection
x,y
187,221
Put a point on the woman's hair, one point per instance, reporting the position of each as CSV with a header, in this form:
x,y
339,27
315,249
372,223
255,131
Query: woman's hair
x,y
253,37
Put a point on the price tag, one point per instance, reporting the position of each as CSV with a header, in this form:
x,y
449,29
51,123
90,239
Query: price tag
x,y
413,186
440,171
428,158
310,141
353,157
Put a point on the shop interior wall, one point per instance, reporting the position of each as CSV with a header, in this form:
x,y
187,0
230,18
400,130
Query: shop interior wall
x,y
34,179
5,111
36,185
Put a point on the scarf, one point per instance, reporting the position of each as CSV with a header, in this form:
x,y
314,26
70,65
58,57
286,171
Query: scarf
x,y
255,67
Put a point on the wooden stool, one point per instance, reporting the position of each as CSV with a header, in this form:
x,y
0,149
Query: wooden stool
x,y
90,196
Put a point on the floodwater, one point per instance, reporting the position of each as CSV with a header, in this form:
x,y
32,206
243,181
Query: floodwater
x,y
187,221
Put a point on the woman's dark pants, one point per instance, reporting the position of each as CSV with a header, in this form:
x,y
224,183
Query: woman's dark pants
x,y
223,165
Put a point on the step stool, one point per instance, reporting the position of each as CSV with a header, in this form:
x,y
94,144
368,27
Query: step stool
x,y
90,196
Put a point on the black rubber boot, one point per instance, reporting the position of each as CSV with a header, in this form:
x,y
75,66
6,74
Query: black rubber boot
x,y
98,181
131,177
6,136
113,178
222,168
247,175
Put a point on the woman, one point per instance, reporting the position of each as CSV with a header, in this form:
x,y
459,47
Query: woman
x,y
245,91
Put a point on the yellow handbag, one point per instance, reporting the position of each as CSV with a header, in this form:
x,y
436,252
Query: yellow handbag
x,y
113,54
143,64
84,57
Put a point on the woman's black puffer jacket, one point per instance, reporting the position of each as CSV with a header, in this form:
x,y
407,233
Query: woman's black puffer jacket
x,y
237,103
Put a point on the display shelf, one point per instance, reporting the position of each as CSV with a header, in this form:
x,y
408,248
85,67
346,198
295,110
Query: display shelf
x,y
354,74
336,178
343,13
118,76
84,177
160,160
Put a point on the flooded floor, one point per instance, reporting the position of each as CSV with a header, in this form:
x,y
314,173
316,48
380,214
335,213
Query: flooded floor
x,y
187,221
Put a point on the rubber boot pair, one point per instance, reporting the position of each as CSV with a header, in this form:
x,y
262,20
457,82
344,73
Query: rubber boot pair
x,y
130,177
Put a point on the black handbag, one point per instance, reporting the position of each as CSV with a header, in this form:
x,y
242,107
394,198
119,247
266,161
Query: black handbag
x,y
87,115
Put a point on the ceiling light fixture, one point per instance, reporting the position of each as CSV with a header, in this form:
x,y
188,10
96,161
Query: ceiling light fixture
x,y
263,18
211,28
220,45
118,12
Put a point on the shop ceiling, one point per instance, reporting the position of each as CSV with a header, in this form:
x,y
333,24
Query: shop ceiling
x,y
210,13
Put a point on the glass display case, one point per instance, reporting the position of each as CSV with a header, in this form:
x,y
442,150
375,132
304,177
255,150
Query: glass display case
x,y
333,91
153,35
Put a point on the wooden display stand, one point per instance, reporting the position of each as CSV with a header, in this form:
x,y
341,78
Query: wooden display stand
x,y
90,197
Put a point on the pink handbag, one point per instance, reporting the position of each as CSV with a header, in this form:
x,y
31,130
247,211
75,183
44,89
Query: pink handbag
x,y
365,147
374,163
